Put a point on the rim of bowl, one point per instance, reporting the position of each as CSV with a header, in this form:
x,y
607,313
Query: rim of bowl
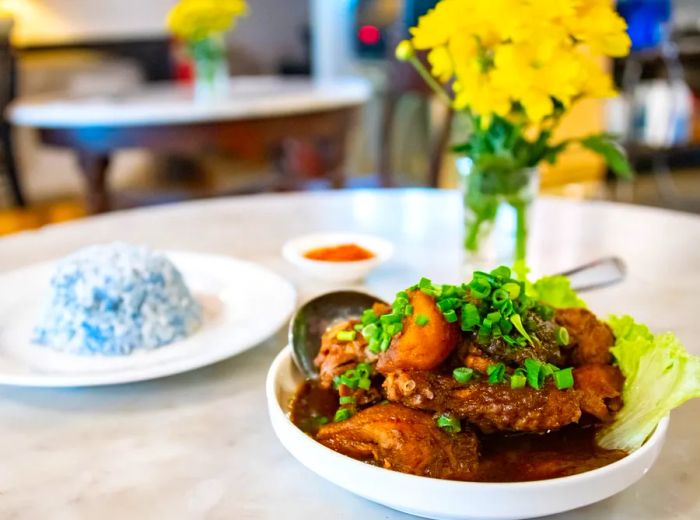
x,y
380,247
285,355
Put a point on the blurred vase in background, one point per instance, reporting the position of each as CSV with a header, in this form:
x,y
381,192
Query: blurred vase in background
x,y
201,25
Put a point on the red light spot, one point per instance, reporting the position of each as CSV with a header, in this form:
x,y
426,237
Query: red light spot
x,y
369,35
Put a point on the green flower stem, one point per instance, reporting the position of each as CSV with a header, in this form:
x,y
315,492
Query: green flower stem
x,y
430,80
520,237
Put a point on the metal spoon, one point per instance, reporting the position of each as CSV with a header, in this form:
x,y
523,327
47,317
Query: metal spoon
x,y
313,318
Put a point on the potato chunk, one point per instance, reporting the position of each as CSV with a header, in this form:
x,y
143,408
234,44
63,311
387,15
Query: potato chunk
x,y
420,347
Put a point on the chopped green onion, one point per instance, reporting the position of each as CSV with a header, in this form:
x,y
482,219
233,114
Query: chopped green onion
x,y
363,370
421,320
358,327
535,377
342,414
518,324
449,423
501,272
518,379
364,384
384,345
562,336
480,288
496,373
346,335
371,331
470,317
425,283
390,318
369,316
462,374
321,420
451,316
495,316
564,378
513,289
408,310
486,324
347,399
499,296
374,346
402,294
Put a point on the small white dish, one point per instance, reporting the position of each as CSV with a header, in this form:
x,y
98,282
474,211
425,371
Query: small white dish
x,y
448,499
244,304
338,272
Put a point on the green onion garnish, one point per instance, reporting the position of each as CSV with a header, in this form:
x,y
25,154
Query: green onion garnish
x,y
501,272
347,399
342,414
518,324
408,310
564,378
449,423
513,289
421,320
496,373
518,379
470,317
346,335
562,336
451,316
534,373
462,374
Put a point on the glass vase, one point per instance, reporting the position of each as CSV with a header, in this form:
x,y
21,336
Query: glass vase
x,y
497,203
211,81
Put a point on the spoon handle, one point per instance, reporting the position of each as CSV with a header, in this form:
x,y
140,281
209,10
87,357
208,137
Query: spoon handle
x,y
597,274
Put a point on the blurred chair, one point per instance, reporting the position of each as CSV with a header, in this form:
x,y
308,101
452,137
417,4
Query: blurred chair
x,y
8,165
402,81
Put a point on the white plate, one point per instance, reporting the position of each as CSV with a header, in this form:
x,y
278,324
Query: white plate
x,y
448,499
244,304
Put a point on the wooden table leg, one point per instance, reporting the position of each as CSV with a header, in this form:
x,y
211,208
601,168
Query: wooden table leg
x,y
94,168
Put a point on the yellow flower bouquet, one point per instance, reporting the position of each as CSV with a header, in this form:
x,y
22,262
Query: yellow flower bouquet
x,y
514,68
201,24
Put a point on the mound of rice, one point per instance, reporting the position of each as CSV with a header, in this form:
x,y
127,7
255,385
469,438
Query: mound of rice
x,y
114,299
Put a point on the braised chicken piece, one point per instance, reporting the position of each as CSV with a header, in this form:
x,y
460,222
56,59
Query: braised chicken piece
x,y
590,338
420,347
545,348
399,438
599,388
489,407
335,356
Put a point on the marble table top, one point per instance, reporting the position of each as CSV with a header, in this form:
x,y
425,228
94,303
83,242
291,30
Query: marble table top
x,y
249,97
199,445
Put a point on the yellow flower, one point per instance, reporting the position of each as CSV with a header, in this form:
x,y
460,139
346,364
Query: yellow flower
x,y
507,57
601,28
195,20
441,63
405,51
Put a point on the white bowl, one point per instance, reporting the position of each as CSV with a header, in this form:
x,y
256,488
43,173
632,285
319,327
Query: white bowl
x,y
447,499
295,249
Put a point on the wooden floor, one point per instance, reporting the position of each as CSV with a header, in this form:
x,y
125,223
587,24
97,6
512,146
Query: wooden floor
x,y
36,216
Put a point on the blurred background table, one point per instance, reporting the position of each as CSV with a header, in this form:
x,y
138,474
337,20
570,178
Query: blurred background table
x,y
263,116
199,445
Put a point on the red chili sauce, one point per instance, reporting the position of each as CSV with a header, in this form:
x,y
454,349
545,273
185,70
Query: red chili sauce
x,y
339,253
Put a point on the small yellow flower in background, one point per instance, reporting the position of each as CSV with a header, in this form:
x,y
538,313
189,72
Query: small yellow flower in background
x,y
521,58
195,20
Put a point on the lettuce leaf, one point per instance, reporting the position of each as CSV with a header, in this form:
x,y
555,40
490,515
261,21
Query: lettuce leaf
x,y
660,375
555,291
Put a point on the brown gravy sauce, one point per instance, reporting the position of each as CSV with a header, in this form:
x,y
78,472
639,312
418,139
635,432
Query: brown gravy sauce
x,y
503,457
